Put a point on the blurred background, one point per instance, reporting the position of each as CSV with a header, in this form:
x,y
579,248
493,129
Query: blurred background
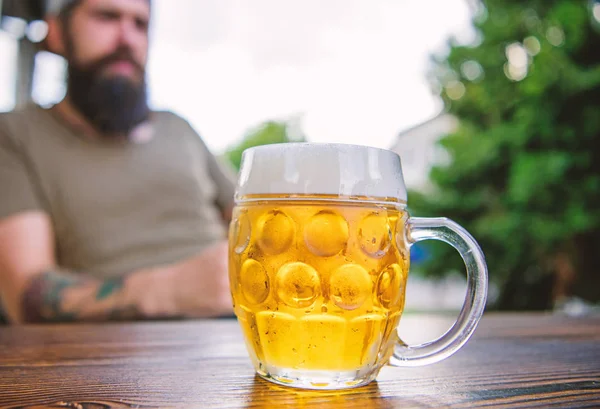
x,y
494,107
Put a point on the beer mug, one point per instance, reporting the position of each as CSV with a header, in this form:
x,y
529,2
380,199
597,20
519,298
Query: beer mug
x,y
318,263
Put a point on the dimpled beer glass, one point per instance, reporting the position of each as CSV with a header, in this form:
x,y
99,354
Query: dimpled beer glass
x,y
318,263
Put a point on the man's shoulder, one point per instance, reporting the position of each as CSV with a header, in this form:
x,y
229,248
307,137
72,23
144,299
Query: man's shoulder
x,y
21,114
175,124
169,117
13,122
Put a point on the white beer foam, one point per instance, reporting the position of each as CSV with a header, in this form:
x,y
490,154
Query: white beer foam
x,y
319,168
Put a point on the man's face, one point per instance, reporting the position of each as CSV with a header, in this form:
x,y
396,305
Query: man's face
x,y
106,45
112,33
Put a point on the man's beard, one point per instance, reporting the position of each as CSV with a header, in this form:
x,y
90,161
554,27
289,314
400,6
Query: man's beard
x,y
113,105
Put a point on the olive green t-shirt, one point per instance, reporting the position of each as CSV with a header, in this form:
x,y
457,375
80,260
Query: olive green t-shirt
x,y
116,206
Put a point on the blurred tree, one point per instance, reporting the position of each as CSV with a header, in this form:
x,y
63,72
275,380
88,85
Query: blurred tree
x,y
524,175
265,134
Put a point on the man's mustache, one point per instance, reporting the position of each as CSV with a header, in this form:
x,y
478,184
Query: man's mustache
x,y
120,55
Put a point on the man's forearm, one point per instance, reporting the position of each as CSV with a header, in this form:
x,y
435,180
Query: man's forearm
x,y
59,296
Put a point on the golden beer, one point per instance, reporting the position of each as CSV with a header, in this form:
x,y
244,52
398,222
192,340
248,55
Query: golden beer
x,y
318,282
318,262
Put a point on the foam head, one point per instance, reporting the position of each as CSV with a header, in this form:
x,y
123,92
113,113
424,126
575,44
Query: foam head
x,y
321,169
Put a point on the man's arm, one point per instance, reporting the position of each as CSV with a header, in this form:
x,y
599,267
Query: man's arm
x,y
222,175
224,179
57,296
34,289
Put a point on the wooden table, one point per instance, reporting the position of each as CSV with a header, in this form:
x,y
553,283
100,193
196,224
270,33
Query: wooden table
x,y
513,360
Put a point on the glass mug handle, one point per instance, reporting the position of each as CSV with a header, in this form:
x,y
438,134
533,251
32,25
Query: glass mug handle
x,y
421,228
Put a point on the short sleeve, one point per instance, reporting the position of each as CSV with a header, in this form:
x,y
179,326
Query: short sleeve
x,y
222,175
17,192
224,179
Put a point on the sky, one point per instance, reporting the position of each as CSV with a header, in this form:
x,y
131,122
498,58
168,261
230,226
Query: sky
x,y
350,71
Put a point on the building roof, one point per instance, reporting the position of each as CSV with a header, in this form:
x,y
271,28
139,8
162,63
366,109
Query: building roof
x,y
442,121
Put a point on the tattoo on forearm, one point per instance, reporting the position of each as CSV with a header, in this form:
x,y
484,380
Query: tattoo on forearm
x,y
109,287
58,297
41,300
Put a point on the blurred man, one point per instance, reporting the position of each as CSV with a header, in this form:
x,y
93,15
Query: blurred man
x,y
107,209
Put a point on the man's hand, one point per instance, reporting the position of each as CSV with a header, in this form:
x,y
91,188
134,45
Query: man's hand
x,y
201,284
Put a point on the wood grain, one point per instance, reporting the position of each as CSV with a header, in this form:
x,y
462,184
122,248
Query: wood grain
x,y
513,360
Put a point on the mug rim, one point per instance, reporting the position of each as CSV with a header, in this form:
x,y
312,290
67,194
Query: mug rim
x,y
324,144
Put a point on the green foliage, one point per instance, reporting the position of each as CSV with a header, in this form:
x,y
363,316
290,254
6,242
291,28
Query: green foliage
x,y
265,134
524,176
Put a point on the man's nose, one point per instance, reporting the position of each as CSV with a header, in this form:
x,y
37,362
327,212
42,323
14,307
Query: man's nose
x,y
130,35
